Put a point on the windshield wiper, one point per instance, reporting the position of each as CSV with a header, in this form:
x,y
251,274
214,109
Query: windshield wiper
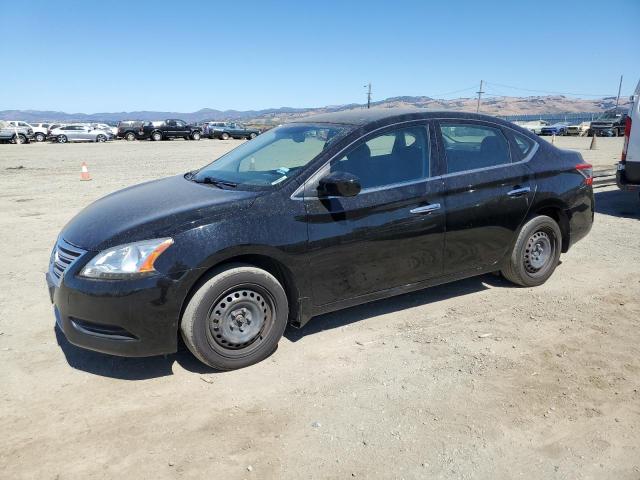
x,y
218,182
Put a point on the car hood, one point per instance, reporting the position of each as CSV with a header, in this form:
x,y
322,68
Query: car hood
x,y
154,209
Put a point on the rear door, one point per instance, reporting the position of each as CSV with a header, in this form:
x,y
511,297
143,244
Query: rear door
x,y
488,189
389,235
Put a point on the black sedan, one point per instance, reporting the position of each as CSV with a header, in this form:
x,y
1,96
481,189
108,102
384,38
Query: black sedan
x,y
310,217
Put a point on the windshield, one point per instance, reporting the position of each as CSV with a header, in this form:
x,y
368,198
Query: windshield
x,y
272,157
612,115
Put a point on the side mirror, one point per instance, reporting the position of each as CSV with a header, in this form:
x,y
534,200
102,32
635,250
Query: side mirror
x,y
339,184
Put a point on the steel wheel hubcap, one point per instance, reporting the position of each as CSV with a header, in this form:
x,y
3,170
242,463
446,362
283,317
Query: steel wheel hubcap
x,y
538,252
238,318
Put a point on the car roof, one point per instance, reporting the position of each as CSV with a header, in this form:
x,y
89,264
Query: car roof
x,y
359,117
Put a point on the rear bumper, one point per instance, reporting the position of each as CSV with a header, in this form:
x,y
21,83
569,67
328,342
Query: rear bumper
x,y
628,177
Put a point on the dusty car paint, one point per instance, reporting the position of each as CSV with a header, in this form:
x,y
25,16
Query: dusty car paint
x,y
329,253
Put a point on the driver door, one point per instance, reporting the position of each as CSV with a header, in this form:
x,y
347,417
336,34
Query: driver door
x,y
391,234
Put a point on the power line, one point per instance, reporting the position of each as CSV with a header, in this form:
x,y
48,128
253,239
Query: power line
x,y
434,95
549,92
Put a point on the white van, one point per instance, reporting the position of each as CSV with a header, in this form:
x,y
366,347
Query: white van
x,y
628,175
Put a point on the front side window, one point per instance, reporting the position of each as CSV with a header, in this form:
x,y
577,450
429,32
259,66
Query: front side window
x,y
394,157
470,146
272,157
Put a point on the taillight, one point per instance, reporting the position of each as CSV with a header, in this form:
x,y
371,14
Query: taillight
x,y
627,133
586,170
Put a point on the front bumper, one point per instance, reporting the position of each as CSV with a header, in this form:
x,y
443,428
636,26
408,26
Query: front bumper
x,y
133,318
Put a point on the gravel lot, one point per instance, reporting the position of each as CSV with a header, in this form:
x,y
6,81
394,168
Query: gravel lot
x,y
476,379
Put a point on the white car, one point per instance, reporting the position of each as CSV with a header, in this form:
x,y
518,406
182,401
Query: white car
x,y
39,133
78,133
534,126
628,175
113,131
579,129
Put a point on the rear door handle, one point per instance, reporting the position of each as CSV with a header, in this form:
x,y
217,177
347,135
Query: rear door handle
x,y
517,192
426,209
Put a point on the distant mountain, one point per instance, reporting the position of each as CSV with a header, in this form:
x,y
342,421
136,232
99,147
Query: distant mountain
x,y
499,106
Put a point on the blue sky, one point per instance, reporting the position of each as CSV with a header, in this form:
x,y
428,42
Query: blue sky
x,y
84,56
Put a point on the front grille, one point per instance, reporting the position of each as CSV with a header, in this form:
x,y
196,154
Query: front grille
x,y
63,256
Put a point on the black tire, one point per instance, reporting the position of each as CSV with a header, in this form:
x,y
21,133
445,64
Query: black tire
x,y
40,137
62,139
224,136
536,252
19,139
195,136
156,136
130,136
252,135
232,298
101,139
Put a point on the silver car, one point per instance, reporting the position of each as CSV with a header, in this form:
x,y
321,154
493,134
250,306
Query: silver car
x,y
78,133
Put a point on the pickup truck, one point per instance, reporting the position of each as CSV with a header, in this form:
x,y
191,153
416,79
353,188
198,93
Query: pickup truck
x,y
14,133
610,124
232,130
170,128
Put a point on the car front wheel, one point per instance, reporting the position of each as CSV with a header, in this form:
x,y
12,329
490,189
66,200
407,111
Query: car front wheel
x,y
130,136
224,136
101,139
62,139
40,137
252,135
535,254
236,317
195,135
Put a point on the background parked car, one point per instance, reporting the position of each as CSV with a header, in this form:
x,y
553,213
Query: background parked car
x,y
611,123
209,127
171,128
14,133
579,129
131,130
534,126
112,131
233,130
78,133
40,130
28,126
559,128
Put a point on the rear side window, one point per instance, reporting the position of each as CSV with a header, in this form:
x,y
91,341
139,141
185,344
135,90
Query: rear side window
x,y
470,146
524,144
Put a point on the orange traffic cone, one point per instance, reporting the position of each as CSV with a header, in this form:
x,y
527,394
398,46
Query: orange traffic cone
x,y
84,173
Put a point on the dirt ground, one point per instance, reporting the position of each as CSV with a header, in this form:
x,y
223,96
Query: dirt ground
x,y
475,379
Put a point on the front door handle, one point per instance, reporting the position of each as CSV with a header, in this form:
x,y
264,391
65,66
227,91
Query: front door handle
x,y
426,209
518,192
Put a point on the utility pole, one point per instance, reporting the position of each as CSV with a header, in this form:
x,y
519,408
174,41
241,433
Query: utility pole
x,y
619,89
368,86
479,92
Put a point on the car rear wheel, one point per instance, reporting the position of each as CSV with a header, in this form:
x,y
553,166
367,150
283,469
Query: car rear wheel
x,y
40,137
252,135
224,136
236,317
535,254
101,139
130,136
63,139
156,136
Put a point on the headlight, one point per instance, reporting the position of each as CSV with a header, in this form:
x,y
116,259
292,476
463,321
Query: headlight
x,y
126,261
